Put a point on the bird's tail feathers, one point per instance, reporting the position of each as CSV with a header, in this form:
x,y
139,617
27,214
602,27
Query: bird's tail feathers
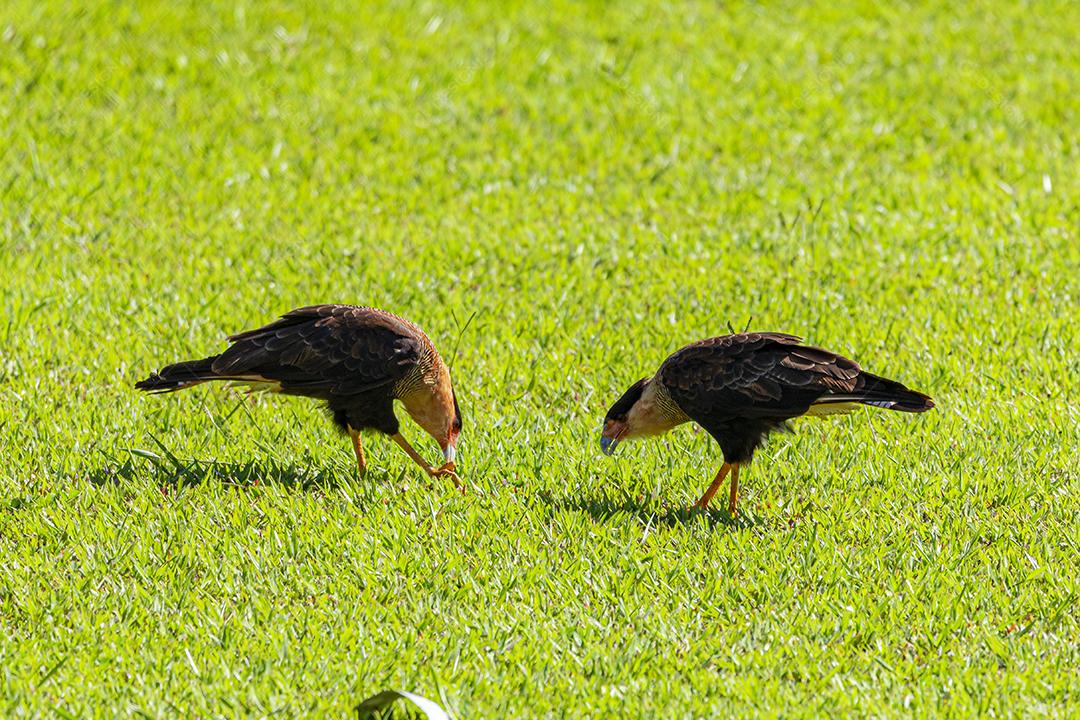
x,y
881,392
179,376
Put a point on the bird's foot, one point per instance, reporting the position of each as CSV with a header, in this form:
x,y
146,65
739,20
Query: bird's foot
x,y
447,469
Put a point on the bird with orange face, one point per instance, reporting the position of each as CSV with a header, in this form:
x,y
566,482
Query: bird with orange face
x,y
358,360
739,388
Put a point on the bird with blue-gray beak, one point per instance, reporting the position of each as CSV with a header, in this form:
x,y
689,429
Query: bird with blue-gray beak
x,y
740,388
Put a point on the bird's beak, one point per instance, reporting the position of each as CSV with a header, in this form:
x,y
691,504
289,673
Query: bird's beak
x,y
448,453
608,445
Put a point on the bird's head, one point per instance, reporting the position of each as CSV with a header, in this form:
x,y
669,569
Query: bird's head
x,y
624,419
438,413
449,447
446,426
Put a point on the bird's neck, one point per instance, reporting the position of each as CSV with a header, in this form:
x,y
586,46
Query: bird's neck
x,y
655,413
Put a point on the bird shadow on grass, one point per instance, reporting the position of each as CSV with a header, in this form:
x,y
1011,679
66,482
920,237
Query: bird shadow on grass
x,y
174,473
604,508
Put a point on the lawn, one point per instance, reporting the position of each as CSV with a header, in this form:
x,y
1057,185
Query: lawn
x,y
561,195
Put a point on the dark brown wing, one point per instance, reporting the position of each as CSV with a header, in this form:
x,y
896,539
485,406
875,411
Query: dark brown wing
x,y
326,350
753,376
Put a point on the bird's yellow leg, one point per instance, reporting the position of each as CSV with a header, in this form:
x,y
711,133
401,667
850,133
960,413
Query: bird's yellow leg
x,y
446,469
733,496
358,448
703,503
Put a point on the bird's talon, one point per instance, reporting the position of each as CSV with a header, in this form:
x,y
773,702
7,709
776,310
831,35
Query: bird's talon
x,y
447,470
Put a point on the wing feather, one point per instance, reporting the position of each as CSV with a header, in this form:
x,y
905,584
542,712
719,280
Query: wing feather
x,y
326,350
753,376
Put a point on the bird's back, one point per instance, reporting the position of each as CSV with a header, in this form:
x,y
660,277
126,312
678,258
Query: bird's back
x,y
752,375
740,387
332,350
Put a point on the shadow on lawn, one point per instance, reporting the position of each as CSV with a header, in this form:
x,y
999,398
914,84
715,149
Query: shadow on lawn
x,y
174,473
605,509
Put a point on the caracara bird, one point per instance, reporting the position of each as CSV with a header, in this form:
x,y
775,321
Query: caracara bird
x,y
357,359
740,388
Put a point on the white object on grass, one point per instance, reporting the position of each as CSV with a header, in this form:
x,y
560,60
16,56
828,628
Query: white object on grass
x,y
368,708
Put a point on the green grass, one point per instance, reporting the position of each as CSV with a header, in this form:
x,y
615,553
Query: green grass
x,y
598,184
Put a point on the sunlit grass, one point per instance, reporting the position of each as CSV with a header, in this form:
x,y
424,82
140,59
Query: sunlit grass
x,y
594,185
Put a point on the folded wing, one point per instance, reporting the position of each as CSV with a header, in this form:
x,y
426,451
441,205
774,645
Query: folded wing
x,y
324,350
771,376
